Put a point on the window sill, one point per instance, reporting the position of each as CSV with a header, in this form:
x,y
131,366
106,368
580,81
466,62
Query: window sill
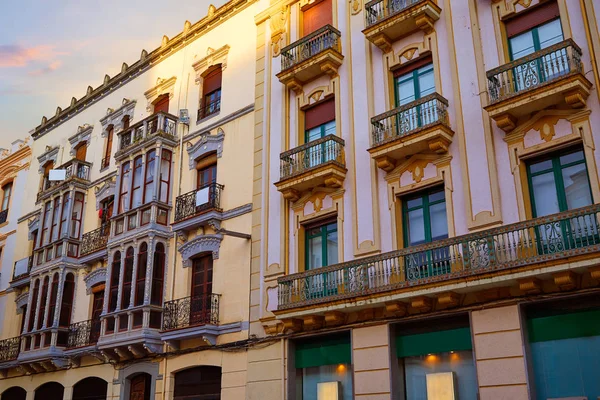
x,y
198,122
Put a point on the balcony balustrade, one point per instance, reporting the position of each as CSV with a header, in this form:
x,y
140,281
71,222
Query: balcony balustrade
x,y
3,216
75,170
191,311
320,162
9,349
549,77
95,240
409,129
497,250
83,334
198,202
161,124
310,57
390,20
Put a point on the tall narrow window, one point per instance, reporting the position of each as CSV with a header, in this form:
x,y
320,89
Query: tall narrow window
x,y
81,151
316,16
156,295
124,190
125,121
6,193
202,276
67,300
76,215
149,179
34,301
165,176
55,231
115,274
53,294
321,245
140,281
211,92
127,277
43,299
64,216
46,224
319,121
206,176
45,179
109,144
161,104
136,192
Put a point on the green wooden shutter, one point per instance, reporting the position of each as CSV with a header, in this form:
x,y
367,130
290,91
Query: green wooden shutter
x,y
433,342
327,350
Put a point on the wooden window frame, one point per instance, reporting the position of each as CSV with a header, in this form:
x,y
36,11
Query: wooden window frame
x,y
127,278
149,180
5,197
536,39
167,181
140,282
124,191
66,307
138,164
424,195
53,296
323,232
76,220
115,275
45,228
158,269
42,307
56,216
35,297
412,74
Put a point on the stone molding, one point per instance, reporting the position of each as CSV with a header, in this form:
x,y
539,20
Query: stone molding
x,y
32,226
213,57
207,144
21,300
93,278
105,191
84,134
115,117
200,244
163,86
51,154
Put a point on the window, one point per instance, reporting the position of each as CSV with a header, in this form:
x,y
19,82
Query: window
x,y
76,216
81,151
55,231
64,215
316,16
319,122
53,294
136,192
127,277
156,295
43,299
321,251
115,274
34,301
206,176
424,219
67,300
6,193
45,179
140,282
411,84
109,143
211,92
161,104
149,180
124,192
165,176
198,383
46,224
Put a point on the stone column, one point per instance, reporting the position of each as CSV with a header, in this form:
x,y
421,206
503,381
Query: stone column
x,y
68,394
371,362
498,345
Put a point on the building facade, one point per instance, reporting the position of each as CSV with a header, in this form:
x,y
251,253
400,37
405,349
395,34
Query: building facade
x,y
317,200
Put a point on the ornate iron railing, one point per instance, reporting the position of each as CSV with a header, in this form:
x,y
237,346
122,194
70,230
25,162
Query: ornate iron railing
x,y
409,118
206,110
534,70
3,216
301,50
378,10
161,123
191,311
534,241
328,149
9,349
84,333
197,201
95,240
74,169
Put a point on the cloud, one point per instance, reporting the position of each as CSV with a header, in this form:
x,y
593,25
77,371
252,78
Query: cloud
x,y
49,68
19,56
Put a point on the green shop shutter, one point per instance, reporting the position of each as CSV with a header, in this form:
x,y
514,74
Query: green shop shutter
x,y
434,342
565,326
327,350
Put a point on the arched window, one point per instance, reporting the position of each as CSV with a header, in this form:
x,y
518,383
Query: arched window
x,y
34,301
14,393
165,176
42,309
149,180
156,296
50,390
6,193
140,282
115,274
127,277
198,383
91,388
67,300
136,192
53,294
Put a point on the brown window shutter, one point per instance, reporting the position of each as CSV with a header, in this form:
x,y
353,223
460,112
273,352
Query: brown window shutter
x,y
162,104
418,63
48,167
317,16
530,19
212,81
81,152
320,114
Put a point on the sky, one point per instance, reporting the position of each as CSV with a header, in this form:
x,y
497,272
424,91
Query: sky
x,y
51,51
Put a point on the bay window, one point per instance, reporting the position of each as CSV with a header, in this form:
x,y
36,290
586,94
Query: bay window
x,y
76,215
140,282
67,301
127,277
34,302
156,293
53,294
149,179
43,299
165,176
136,192
55,231
114,282
124,190
46,224
64,215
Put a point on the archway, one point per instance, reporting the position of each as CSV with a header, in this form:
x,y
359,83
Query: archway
x,y
50,390
91,388
198,382
140,387
14,393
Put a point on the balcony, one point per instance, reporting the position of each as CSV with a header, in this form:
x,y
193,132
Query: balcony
x,y
161,125
310,57
560,247
197,207
93,244
83,334
76,171
21,272
3,216
409,129
552,77
43,350
390,20
316,163
9,350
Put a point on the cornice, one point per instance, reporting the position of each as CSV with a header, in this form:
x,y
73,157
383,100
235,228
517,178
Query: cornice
x,y
13,158
147,60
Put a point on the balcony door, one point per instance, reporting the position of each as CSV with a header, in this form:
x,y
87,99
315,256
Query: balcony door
x,y
202,279
319,122
321,251
315,17
97,305
409,87
162,104
424,219
140,387
205,183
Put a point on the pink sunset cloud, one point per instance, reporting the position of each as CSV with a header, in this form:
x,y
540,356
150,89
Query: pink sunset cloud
x,y
19,56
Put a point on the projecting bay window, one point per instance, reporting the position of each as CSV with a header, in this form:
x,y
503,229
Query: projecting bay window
x,y
126,287
136,192
124,190
45,238
55,231
149,180
165,176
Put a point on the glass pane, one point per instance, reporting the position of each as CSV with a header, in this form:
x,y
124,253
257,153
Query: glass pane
x,y
315,253
571,158
544,195
426,83
414,202
308,379
522,45
433,197
439,222
406,92
329,128
332,248
577,186
550,33
313,134
416,227
541,166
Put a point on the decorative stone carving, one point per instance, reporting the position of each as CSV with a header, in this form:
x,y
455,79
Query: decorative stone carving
x,y
83,135
200,244
205,145
21,301
93,278
115,117
32,226
278,24
163,86
213,57
105,191
51,154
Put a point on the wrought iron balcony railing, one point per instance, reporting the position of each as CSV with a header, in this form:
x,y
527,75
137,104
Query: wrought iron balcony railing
x,y
378,10
329,149
95,240
191,311
83,334
539,240
320,40
3,216
197,201
534,70
206,110
9,349
409,118
74,170
161,123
